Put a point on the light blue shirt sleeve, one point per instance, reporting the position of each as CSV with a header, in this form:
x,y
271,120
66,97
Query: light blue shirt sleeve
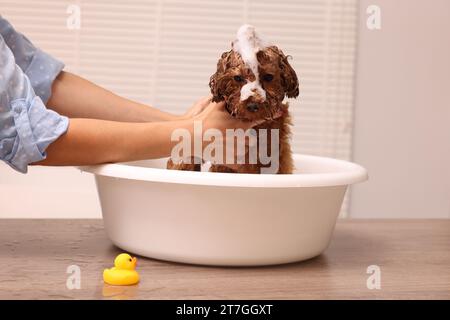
x,y
27,127
38,66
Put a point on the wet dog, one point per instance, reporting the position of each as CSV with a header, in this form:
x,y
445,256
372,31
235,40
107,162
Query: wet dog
x,y
253,79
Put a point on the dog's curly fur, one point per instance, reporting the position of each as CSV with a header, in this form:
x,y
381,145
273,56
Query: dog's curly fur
x,y
278,79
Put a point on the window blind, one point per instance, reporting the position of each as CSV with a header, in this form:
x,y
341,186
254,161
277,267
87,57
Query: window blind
x,y
163,52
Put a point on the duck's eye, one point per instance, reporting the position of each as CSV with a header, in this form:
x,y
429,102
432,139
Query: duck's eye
x,y
130,260
238,79
268,77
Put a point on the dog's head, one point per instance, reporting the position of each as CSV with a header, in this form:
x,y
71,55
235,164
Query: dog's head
x,y
253,79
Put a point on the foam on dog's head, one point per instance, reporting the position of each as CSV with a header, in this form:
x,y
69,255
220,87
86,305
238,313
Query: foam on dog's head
x,y
253,78
247,44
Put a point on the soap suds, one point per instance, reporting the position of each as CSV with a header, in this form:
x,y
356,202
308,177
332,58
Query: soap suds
x,y
247,44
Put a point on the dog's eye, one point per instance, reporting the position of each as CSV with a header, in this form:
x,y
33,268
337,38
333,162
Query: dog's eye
x,y
238,78
268,77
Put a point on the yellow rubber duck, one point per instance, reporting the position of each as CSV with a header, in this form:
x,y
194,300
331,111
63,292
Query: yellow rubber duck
x,y
123,273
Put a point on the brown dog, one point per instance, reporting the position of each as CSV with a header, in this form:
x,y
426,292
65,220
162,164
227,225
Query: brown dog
x,y
253,79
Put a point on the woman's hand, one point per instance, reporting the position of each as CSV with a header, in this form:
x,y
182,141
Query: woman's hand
x,y
196,108
92,141
214,116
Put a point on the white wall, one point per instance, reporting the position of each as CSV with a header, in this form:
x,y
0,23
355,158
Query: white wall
x,y
402,116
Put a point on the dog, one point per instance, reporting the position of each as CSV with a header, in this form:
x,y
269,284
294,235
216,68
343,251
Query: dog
x,y
253,79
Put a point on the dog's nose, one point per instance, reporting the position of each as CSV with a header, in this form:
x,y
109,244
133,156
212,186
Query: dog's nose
x,y
252,107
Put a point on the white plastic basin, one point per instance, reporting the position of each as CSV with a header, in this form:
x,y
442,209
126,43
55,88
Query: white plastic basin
x,y
223,218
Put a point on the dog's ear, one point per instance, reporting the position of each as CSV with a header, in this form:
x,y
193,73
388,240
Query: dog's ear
x,y
289,78
215,83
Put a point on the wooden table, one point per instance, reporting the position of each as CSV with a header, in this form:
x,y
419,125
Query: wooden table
x,y
413,256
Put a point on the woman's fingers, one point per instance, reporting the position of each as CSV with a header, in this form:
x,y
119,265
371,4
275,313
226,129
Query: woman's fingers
x,y
217,105
215,115
257,122
204,102
212,111
199,106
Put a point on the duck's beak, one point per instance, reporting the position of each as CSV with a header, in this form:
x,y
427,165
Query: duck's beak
x,y
135,261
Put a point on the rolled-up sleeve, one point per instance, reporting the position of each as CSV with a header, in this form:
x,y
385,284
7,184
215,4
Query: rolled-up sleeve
x,y
27,127
38,66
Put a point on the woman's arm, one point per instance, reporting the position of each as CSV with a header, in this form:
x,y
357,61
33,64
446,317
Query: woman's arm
x,y
76,97
92,141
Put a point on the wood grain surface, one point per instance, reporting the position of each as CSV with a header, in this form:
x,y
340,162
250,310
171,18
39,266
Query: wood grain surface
x,y
413,256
